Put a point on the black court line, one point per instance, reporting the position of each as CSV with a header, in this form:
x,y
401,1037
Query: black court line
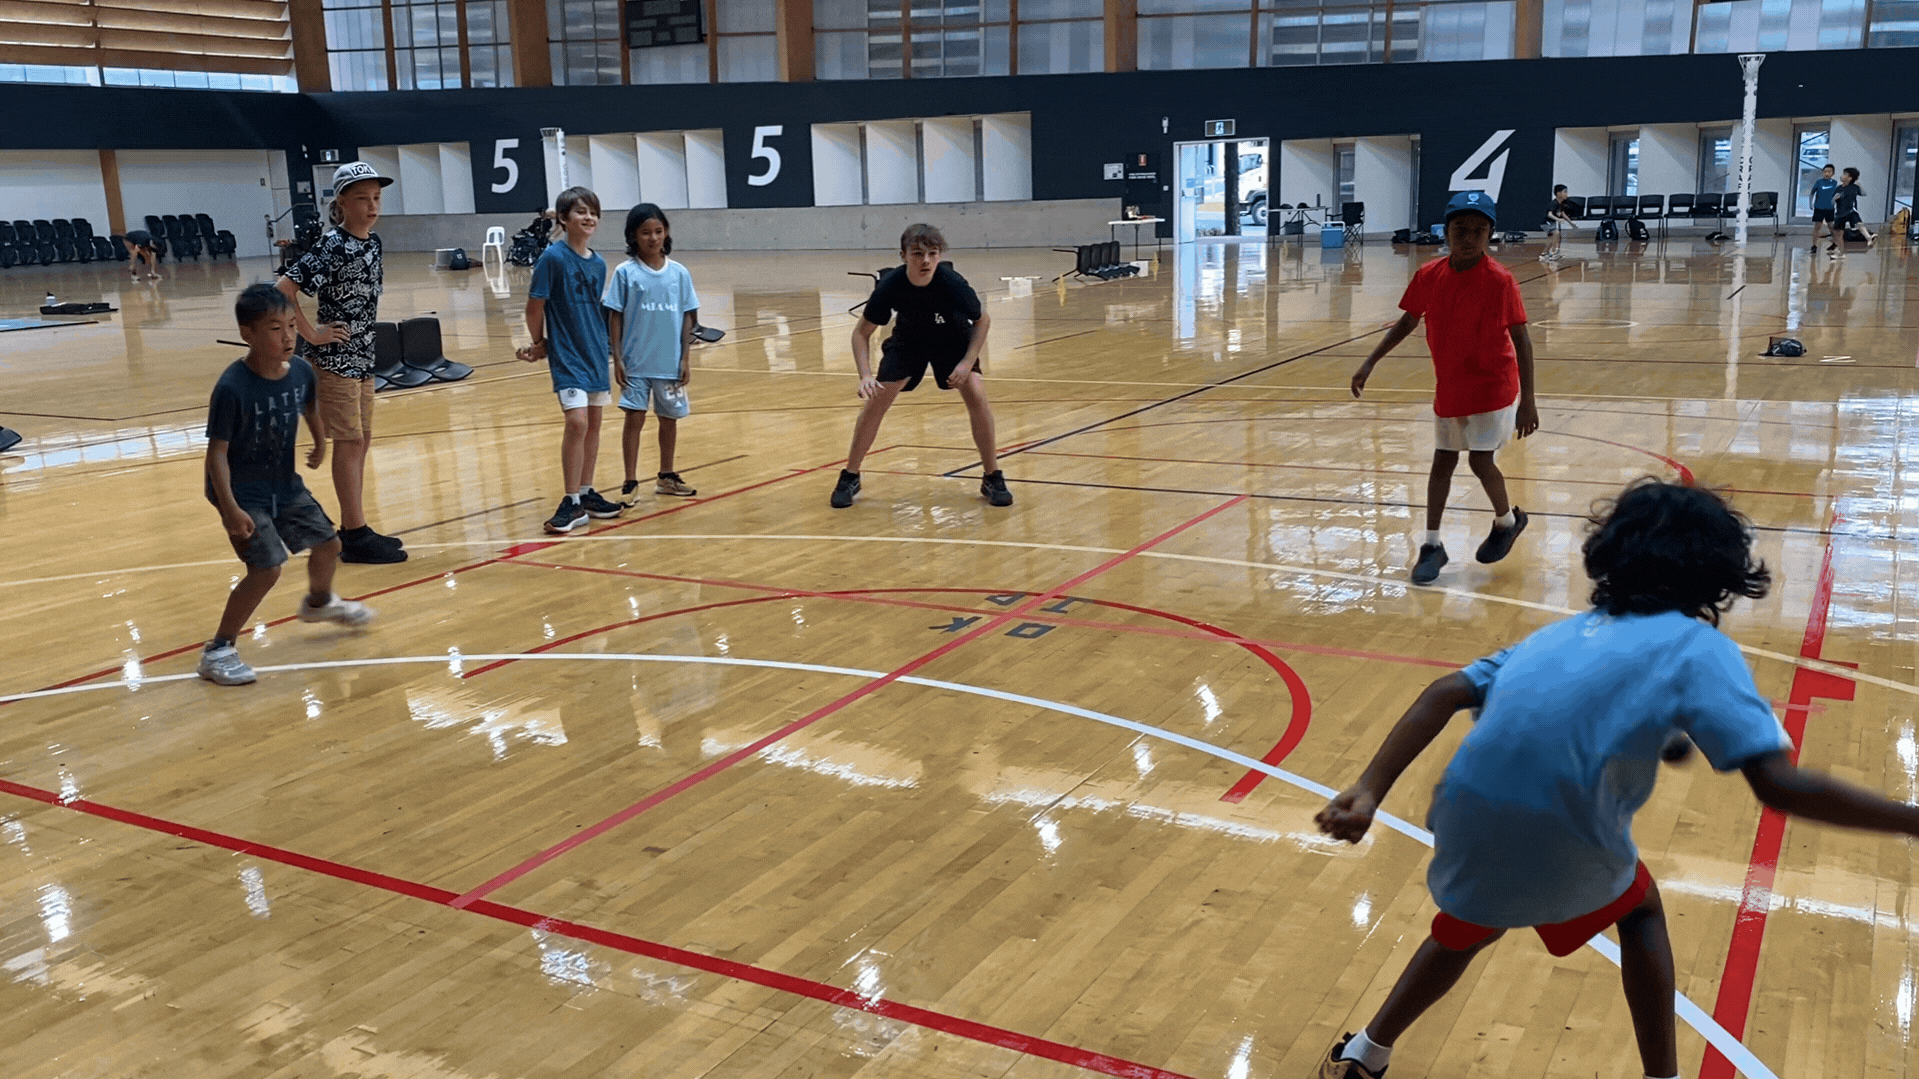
x,y
465,516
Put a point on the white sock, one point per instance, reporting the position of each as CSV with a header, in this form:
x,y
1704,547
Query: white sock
x,y
574,497
1505,520
1431,535
1367,1052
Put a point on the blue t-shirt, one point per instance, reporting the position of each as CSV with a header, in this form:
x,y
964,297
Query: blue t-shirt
x,y
1822,190
652,306
259,420
1532,822
576,341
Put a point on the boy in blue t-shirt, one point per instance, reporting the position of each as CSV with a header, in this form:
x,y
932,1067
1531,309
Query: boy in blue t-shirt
x,y
569,332
651,311
1532,820
1822,191
253,427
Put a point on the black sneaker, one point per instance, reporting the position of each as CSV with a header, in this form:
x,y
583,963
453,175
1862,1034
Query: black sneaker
x,y
369,548
630,492
568,517
992,487
1500,540
597,506
845,489
1431,557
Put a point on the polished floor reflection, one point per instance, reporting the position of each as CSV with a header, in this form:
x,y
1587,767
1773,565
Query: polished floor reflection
x,y
745,786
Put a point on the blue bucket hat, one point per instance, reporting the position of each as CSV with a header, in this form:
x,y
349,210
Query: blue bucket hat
x,y
1473,202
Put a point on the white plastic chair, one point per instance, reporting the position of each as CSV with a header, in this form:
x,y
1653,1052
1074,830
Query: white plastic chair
x,y
495,241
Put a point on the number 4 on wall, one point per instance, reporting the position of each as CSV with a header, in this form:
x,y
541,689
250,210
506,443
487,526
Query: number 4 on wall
x,y
772,156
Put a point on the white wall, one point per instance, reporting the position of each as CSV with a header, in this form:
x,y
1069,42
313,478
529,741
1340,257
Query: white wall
x,y
1383,180
892,162
419,178
836,165
456,177
947,158
550,155
234,187
1308,172
705,170
616,171
1006,154
46,184
1865,143
579,163
385,161
1772,160
1579,160
1668,158
662,168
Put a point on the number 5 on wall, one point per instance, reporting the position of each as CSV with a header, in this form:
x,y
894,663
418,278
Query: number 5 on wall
x,y
501,161
772,156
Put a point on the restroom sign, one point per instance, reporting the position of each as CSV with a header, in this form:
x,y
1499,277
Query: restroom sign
x,y
1219,129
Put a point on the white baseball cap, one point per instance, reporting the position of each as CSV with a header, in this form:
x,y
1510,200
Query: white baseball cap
x,y
353,172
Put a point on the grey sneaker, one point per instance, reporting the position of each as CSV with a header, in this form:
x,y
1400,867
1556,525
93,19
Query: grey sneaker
x,y
670,483
1431,557
223,667
345,612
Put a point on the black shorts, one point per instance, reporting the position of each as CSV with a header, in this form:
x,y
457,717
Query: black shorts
x,y
910,362
1819,215
1852,220
283,525
140,238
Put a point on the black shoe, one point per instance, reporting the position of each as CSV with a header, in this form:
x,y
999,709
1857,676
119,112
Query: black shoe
x,y
370,548
597,506
1500,540
1431,557
845,489
9,438
992,487
568,517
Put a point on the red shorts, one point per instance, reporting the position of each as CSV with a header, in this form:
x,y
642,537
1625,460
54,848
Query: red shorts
x,y
1562,938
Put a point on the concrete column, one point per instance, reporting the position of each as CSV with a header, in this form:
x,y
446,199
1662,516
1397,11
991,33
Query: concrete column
x,y
532,63
892,162
793,22
1579,160
1529,21
456,177
836,165
419,178
110,181
1006,146
1122,35
948,159
1383,180
1865,143
662,169
307,19
616,171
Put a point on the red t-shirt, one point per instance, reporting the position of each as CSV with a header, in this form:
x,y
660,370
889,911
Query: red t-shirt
x,y
1467,318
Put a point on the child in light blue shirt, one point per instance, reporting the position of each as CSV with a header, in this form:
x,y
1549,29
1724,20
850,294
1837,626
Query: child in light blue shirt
x,y
651,312
1532,821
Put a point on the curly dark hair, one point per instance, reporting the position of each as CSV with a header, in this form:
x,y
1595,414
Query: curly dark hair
x,y
1671,547
640,215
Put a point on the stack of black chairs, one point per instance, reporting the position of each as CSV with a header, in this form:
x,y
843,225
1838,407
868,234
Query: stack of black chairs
x,y
47,242
408,354
1101,260
186,235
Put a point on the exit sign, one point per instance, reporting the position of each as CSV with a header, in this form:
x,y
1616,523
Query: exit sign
x,y
1219,129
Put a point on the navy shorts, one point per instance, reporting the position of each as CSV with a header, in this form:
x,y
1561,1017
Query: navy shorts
x,y
283,525
1819,215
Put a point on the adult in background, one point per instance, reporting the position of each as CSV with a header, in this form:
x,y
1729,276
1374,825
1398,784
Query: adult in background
x,y
140,248
345,272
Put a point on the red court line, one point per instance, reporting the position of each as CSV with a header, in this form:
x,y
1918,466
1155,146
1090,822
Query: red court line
x,y
726,968
722,764
1755,901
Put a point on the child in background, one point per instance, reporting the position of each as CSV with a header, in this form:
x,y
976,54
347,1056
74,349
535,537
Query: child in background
x,y
1483,367
1845,208
253,425
1532,821
1822,209
1559,218
569,332
651,310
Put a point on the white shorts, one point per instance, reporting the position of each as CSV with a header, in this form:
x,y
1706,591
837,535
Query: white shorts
x,y
1478,432
667,396
572,399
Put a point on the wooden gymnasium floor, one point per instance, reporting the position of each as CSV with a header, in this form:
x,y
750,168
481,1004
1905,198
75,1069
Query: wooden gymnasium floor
x,y
745,786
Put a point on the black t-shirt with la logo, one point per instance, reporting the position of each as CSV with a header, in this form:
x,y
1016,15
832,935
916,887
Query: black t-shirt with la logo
x,y
937,314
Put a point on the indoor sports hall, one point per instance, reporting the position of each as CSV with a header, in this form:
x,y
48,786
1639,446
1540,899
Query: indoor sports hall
x,y
733,781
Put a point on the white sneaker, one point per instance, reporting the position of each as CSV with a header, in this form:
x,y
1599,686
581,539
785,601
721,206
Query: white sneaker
x,y
346,612
224,667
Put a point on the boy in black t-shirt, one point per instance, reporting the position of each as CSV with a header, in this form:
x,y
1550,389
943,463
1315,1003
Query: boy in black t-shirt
x,y
1559,218
1846,217
940,325
253,423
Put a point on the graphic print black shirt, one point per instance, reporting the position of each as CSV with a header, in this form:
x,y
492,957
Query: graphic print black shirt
x,y
941,312
346,273
259,420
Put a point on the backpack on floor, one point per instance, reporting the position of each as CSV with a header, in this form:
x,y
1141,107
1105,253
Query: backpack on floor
x,y
1608,232
458,260
1854,235
1637,230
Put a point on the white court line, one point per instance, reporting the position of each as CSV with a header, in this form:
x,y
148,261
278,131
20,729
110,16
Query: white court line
x,y
1695,1017
1239,563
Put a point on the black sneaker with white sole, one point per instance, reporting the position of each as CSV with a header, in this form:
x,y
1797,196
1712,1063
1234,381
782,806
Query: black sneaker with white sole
x,y
992,487
596,505
1500,540
568,517
1431,557
845,489
369,548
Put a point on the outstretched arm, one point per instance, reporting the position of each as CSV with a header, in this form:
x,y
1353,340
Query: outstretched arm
x,y
1790,789
1408,322
1351,811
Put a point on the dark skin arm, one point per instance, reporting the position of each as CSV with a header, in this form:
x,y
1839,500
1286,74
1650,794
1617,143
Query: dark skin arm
x,y
1798,792
1408,322
1527,419
1351,811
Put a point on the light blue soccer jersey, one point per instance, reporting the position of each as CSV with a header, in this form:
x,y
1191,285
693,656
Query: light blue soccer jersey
x,y
1532,822
652,306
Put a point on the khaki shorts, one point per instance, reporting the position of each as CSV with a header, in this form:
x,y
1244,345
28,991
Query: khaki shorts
x,y
346,406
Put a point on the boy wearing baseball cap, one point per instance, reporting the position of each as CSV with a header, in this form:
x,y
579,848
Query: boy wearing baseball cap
x,y
1482,367
344,270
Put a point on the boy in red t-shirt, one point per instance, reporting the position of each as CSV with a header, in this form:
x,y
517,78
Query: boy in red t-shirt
x,y
1483,364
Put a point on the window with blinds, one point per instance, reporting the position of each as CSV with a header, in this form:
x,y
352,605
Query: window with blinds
x,y
244,36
